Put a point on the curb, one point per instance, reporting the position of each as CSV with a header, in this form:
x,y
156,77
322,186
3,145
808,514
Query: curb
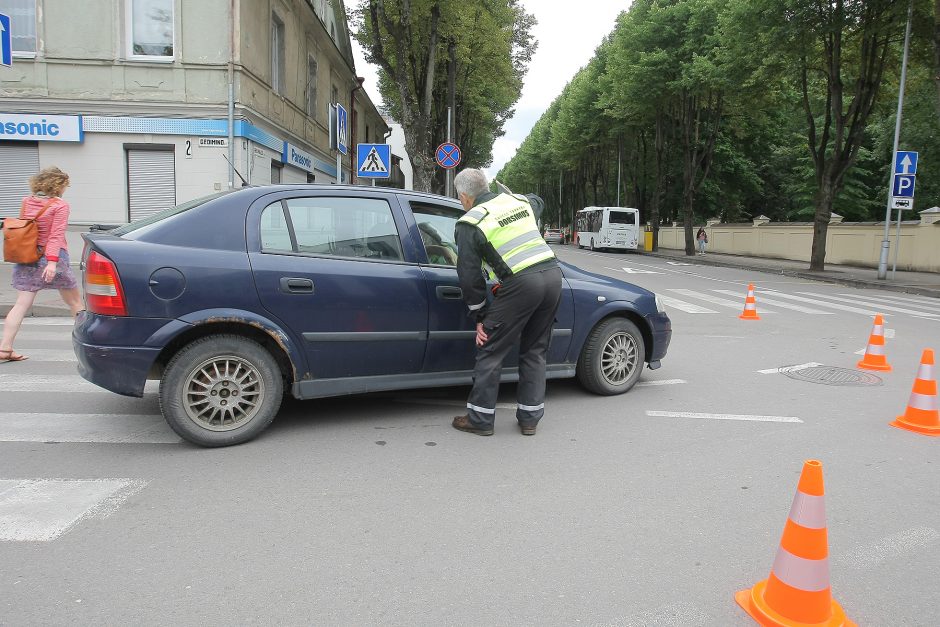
x,y
806,274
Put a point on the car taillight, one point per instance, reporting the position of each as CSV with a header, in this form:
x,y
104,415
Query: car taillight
x,y
103,292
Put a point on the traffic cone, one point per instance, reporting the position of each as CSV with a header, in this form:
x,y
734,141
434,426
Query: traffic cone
x,y
922,414
797,591
874,358
750,305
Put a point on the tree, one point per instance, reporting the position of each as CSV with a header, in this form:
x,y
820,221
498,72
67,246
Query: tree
x,y
411,42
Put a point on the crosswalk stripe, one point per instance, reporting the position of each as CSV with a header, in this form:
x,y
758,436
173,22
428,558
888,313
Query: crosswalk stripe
x,y
50,321
775,294
28,335
57,383
860,301
681,305
906,299
98,428
777,303
38,355
721,302
703,416
877,301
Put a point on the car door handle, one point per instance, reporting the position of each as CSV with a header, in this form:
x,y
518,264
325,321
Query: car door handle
x,y
448,292
296,286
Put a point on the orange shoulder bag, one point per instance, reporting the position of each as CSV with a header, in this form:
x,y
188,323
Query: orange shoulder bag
x,y
21,237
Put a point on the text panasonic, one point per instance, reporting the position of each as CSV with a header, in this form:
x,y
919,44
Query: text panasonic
x,y
63,128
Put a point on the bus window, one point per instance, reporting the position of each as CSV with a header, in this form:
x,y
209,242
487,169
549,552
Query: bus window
x,y
622,217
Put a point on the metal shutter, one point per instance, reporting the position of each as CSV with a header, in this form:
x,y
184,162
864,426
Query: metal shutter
x,y
18,162
151,182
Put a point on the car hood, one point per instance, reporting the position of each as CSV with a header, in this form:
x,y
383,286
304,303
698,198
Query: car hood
x,y
612,289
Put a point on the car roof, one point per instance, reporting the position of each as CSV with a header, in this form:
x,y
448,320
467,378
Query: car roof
x,y
255,192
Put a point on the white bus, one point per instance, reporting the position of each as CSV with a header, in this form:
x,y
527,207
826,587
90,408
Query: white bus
x,y
608,227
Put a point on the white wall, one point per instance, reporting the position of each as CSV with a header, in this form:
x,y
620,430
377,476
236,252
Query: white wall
x,y
397,142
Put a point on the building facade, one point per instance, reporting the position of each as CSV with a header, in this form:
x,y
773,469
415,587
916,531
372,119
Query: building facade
x,y
146,102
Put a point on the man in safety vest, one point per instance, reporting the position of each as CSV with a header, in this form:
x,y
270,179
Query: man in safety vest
x,y
501,232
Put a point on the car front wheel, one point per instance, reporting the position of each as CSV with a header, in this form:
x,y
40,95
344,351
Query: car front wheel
x,y
221,390
612,358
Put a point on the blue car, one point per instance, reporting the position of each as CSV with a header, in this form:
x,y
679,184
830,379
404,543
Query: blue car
x,y
234,299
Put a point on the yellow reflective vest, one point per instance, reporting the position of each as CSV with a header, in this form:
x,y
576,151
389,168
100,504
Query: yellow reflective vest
x,y
508,224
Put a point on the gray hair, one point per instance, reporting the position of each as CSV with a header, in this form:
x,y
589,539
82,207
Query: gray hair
x,y
471,182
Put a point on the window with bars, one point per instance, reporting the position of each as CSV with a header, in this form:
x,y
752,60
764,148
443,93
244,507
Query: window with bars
x,y
311,87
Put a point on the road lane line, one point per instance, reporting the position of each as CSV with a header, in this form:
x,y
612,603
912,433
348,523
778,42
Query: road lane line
x,y
895,546
906,300
58,383
39,355
721,302
40,510
777,303
660,382
688,414
86,428
776,294
861,301
681,305
796,368
54,321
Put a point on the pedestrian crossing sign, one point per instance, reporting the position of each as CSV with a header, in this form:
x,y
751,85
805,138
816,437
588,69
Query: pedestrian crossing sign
x,y
374,161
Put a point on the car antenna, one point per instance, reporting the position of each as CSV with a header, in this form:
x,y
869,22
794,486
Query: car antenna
x,y
502,188
244,182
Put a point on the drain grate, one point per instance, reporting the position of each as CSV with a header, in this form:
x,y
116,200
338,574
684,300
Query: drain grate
x,y
830,375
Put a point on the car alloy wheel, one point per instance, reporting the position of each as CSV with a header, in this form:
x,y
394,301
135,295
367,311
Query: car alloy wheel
x,y
612,357
619,358
223,393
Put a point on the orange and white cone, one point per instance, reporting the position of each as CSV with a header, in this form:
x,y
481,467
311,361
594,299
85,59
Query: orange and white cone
x,y
875,358
750,305
923,409
797,592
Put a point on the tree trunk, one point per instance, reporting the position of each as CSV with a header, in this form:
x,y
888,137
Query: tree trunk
x,y
936,49
824,200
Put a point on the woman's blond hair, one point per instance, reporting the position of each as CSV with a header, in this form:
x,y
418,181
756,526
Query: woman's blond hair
x,y
50,181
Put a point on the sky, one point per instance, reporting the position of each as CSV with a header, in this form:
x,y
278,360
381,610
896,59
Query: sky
x,y
567,35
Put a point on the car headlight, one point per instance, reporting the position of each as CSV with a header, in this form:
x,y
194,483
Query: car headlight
x,y
660,307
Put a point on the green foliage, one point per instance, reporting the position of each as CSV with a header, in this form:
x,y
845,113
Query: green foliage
x,y
663,55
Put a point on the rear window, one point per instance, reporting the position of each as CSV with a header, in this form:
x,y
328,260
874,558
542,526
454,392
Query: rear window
x,y
622,217
166,213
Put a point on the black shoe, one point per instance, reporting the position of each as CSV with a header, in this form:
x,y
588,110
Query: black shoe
x,y
527,429
462,423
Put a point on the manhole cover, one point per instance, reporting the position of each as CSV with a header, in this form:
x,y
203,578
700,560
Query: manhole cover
x,y
830,375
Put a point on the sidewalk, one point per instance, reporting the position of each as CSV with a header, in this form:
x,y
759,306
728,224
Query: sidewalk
x,y
921,283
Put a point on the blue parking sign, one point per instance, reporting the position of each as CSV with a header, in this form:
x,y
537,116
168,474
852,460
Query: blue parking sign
x,y
6,41
903,186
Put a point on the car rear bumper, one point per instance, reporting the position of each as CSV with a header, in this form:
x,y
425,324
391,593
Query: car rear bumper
x,y
123,368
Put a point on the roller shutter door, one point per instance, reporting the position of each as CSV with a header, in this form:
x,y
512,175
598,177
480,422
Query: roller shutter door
x,y
151,182
18,162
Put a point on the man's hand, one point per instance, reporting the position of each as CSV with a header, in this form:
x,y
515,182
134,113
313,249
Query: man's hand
x,y
482,337
48,273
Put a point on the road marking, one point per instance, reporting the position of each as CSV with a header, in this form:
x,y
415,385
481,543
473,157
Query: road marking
x,y
715,300
687,414
678,615
679,263
796,368
58,383
681,305
905,300
660,382
777,303
43,336
895,546
775,294
877,301
54,321
861,301
87,428
40,510
37,355
631,270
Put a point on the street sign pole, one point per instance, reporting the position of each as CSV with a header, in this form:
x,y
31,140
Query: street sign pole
x,y
449,173
886,243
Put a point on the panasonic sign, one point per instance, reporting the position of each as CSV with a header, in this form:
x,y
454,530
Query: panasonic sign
x,y
43,128
298,158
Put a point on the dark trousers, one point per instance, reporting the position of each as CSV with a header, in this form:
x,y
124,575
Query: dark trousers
x,y
524,312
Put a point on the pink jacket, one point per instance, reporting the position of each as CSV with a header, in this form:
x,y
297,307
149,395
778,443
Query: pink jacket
x,y
51,224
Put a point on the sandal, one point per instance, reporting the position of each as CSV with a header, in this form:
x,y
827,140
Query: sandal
x,y
9,355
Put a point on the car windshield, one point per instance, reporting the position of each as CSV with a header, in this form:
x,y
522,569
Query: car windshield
x,y
166,213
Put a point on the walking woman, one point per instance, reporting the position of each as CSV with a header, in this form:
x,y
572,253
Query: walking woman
x,y
52,270
702,239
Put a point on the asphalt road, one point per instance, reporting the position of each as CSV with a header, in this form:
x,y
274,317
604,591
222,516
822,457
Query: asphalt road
x,y
650,508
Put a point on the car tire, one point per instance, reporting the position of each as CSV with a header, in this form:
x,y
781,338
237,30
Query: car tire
x,y
612,358
221,390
